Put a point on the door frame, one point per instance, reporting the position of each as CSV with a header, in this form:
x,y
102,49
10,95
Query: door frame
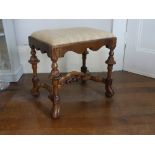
x,y
132,69
119,28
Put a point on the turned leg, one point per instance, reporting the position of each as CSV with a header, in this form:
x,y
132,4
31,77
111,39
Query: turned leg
x,y
84,68
54,95
35,80
108,82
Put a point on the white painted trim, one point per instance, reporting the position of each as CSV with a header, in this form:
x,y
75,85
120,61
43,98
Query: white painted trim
x,y
139,72
139,35
11,76
119,30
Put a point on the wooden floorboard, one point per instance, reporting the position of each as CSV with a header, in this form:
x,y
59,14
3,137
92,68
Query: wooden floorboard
x,y
84,110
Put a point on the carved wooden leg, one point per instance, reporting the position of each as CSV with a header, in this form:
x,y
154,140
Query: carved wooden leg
x,y
108,82
84,68
35,80
54,96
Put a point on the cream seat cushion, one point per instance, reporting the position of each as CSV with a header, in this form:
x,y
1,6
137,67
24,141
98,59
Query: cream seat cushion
x,y
57,37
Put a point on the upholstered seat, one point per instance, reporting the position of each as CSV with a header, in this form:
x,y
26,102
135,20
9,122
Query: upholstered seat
x,y
56,37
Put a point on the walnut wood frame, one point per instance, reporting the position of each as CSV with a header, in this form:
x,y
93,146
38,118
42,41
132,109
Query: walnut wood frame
x,y
57,80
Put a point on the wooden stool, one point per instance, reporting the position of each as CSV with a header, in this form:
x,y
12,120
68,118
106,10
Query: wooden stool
x,y
56,43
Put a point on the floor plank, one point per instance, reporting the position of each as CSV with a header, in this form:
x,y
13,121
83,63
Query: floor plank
x,y
85,109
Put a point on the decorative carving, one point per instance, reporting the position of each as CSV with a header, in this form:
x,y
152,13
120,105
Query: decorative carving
x,y
84,56
35,80
54,95
75,76
108,82
79,47
71,77
84,68
108,87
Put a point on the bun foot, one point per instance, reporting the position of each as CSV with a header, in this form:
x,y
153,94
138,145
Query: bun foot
x,y
56,111
109,93
108,87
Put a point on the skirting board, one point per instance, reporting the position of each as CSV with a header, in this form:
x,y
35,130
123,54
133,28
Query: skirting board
x,y
11,76
139,72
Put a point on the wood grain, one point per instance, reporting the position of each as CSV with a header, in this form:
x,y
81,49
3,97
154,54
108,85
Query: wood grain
x,y
85,110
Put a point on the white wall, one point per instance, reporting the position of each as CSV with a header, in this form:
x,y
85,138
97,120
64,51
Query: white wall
x,y
119,29
71,61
